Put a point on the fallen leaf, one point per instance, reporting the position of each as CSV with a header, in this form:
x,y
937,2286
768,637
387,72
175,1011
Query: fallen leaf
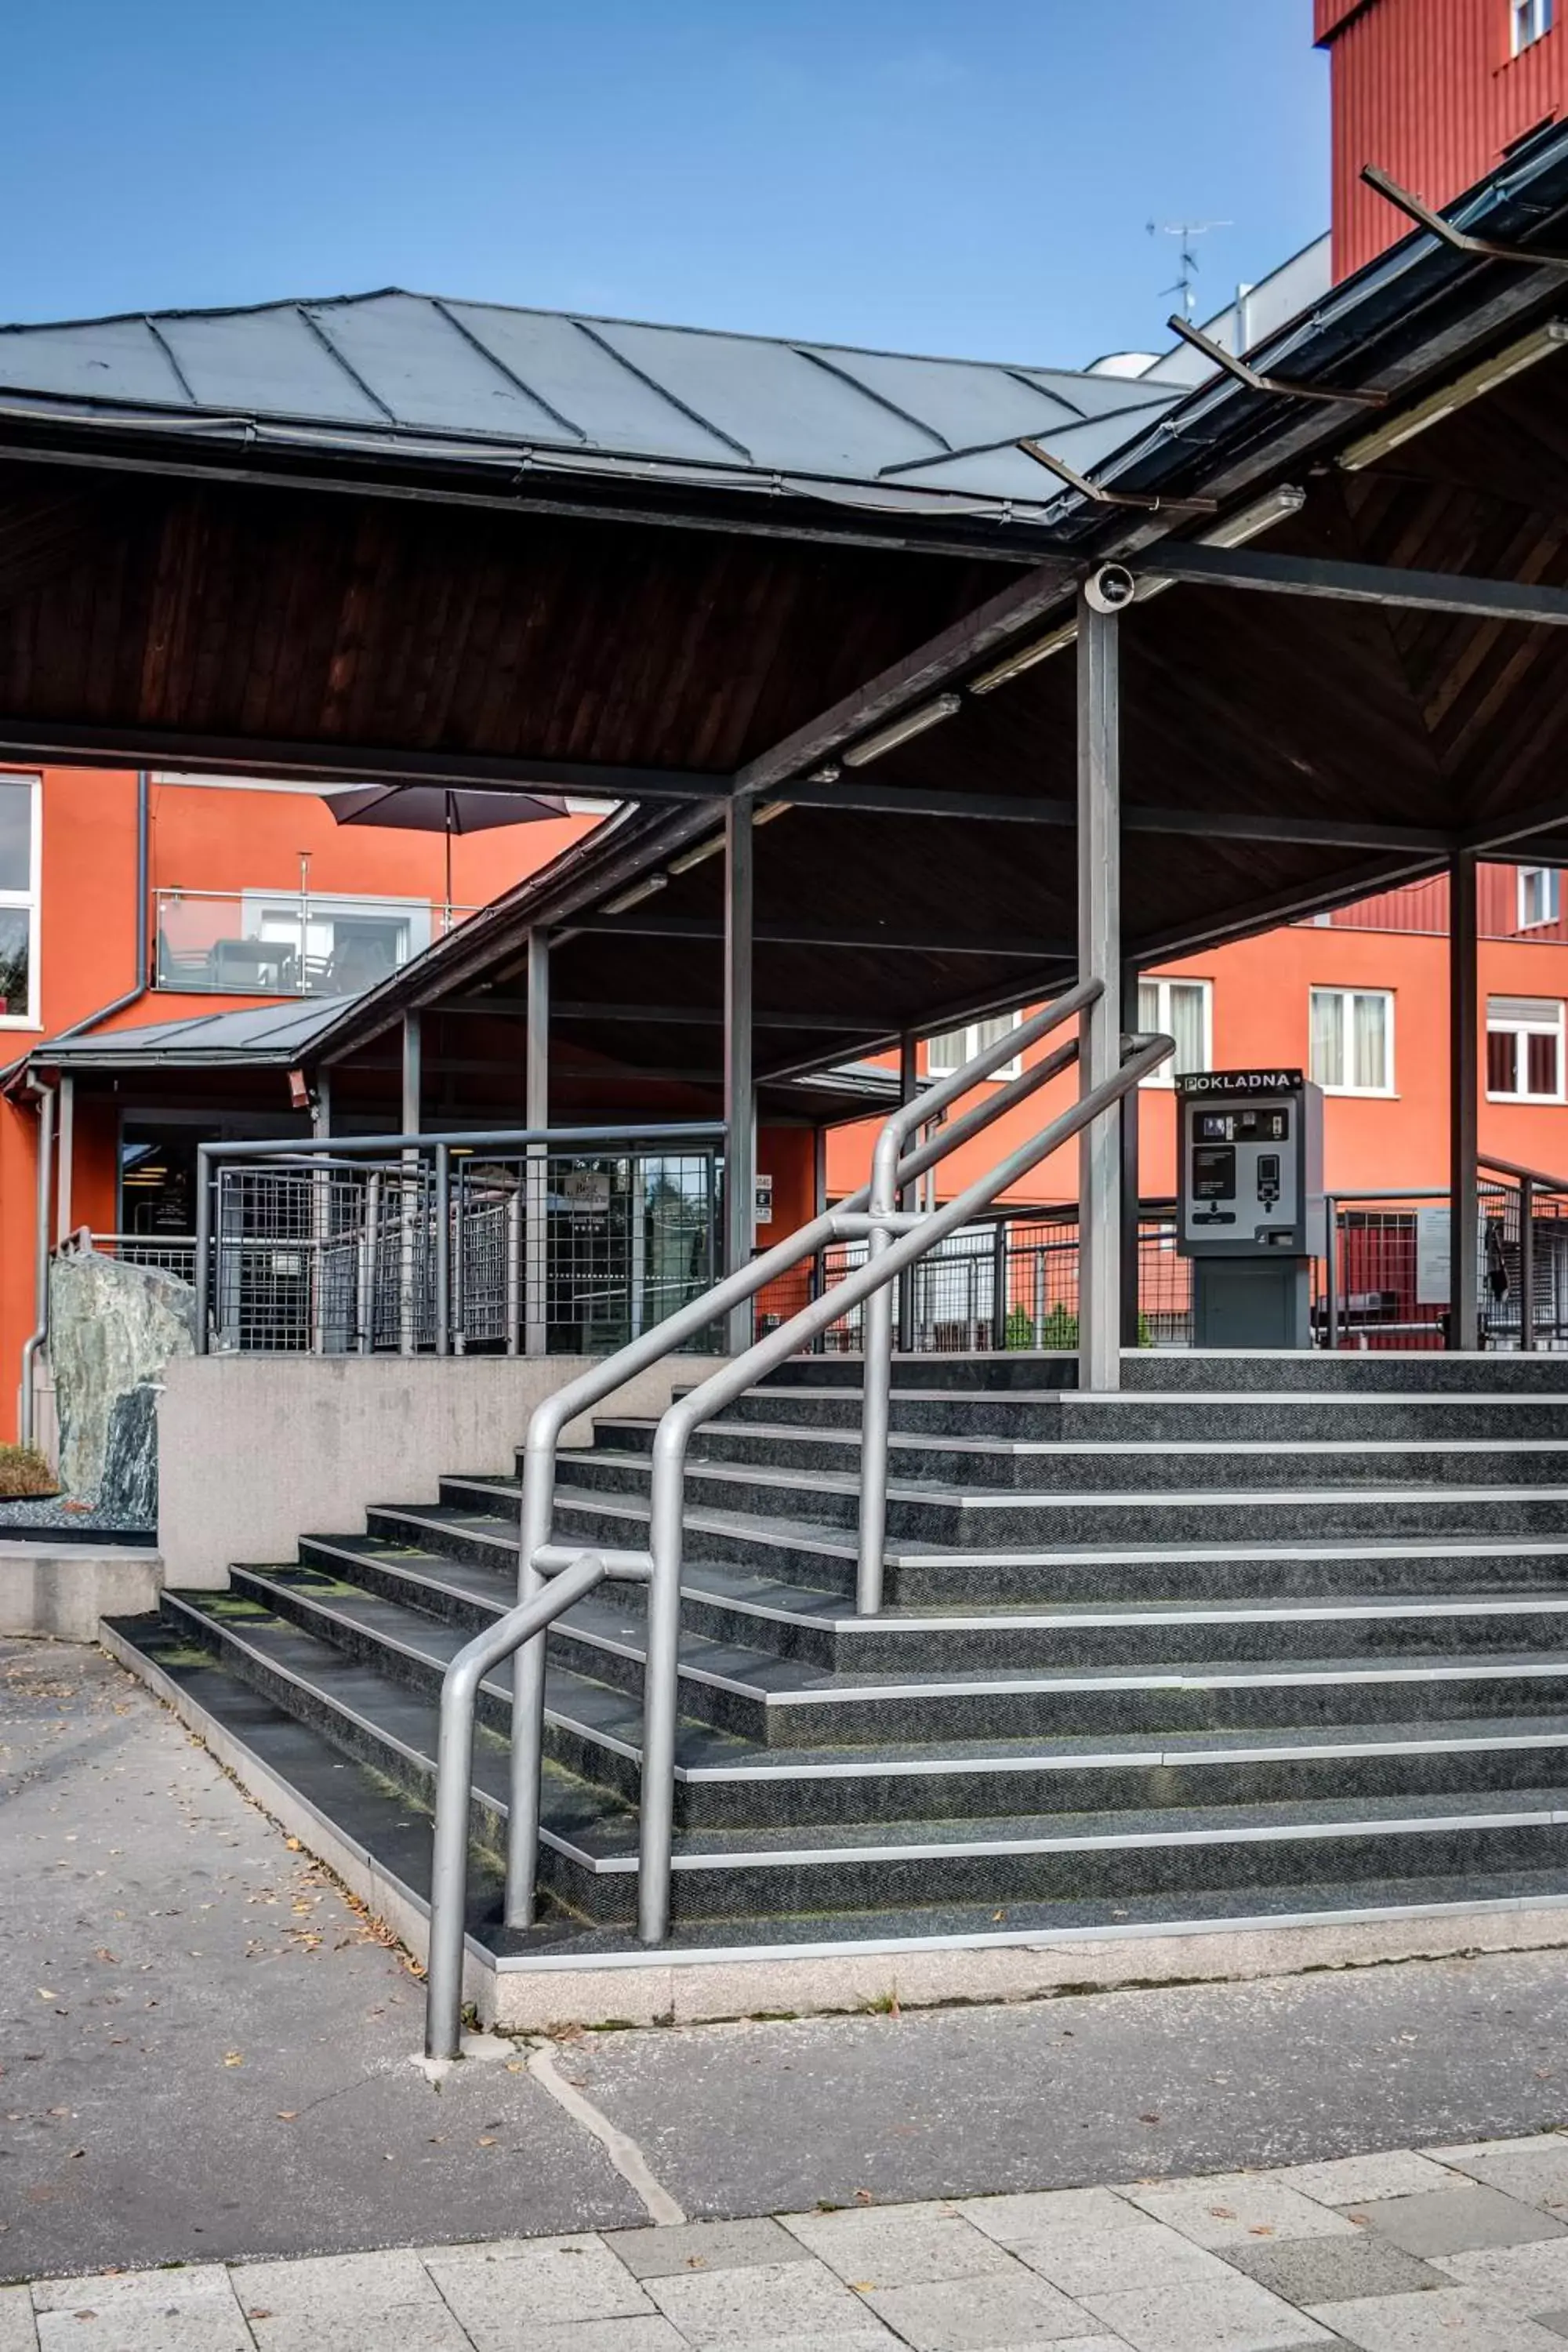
x,y
286,2115
864,2197
487,2143
1149,2120
234,2058
44,1994
1261,2230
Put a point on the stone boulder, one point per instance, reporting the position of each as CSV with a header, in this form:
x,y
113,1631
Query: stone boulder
x,y
112,1329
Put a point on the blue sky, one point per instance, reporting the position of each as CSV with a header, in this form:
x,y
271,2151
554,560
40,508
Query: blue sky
x,y
919,174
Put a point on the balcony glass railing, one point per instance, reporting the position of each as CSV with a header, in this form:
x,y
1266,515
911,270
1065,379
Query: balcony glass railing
x,y
290,942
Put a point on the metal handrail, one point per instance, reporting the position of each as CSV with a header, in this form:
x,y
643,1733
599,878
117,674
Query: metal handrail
x,y
905,1239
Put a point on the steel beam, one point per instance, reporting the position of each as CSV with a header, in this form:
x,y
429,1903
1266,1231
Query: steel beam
x,y
739,1096
636,924
882,697
1131,1257
536,1114
1100,959
1353,583
111,744
1464,1092
855,798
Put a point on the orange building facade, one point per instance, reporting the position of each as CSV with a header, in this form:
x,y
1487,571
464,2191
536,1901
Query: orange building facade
x,y
254,894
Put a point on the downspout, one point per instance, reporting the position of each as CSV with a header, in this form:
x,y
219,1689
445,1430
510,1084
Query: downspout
x,y
26,1416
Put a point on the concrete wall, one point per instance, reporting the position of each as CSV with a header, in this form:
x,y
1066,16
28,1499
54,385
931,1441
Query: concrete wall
x,y
64,1589
255,1451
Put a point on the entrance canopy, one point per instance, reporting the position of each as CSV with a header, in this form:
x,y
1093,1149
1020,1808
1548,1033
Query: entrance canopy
x,y
436,541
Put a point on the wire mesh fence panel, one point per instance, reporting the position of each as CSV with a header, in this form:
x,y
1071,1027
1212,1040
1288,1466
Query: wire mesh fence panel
x,y
172,1254
348,1257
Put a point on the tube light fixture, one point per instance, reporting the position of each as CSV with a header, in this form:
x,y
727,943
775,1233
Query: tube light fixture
x,y
635,897
913,722
1394,431
1237,530
773,808
697,856
1027,655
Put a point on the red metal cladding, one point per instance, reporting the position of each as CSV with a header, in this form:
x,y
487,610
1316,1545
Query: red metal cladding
x,y
1430,91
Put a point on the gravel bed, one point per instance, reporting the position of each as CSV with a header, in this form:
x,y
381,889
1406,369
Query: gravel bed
x,y
66,1516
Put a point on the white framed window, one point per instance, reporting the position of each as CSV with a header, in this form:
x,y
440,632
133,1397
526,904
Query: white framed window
x,y
950,1049
1182,1009
1352,1040
1525,1049
1529,21
1540,895
21,874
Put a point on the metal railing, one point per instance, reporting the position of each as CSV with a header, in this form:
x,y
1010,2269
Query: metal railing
x,y
1385,1274
899,1241
172,1254
1006,1281
290,942
565,1241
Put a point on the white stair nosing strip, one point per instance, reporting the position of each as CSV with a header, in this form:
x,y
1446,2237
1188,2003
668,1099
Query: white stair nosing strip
x,y
1125,1840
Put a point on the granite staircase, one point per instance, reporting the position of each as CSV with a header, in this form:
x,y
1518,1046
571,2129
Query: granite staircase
x,y
1260,1637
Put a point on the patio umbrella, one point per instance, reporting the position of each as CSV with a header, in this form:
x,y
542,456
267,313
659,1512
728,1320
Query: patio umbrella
x,y
435,808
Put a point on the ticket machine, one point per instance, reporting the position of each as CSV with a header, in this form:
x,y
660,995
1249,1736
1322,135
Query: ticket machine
x,y
1250,1203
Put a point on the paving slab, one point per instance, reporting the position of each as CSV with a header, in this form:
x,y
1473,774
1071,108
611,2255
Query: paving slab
x,y
1524,2277
1102,2262
1533,2169
700,2246
1084,2212
1450,2321
1231,2209
909,2246
549,2284
1225,2314
1335,2270
994,2314
1348,2179
18,2333
1455,2221
724,2311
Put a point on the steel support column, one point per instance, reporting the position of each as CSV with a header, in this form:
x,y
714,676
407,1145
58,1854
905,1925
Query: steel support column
x,y
413,1074
908,1087
1464,1091
1100,959
740,1102
1131,1259
67,1154
536,1114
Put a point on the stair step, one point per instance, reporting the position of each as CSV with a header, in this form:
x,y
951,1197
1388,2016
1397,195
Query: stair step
x,y
922,1574
959,1515
1084,1465
590,1840
595,1729
1130,1414
356,1805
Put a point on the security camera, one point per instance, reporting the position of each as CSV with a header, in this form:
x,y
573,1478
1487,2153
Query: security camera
x,y
1110,588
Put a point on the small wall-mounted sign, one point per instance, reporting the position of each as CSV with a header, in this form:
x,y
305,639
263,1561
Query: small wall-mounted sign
x,y
764,1211
586,1191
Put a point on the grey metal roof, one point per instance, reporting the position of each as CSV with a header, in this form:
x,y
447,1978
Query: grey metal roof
x,y
580,393
262,1034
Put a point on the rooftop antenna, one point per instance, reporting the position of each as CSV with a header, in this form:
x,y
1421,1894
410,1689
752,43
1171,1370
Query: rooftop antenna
x,y
1188,232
